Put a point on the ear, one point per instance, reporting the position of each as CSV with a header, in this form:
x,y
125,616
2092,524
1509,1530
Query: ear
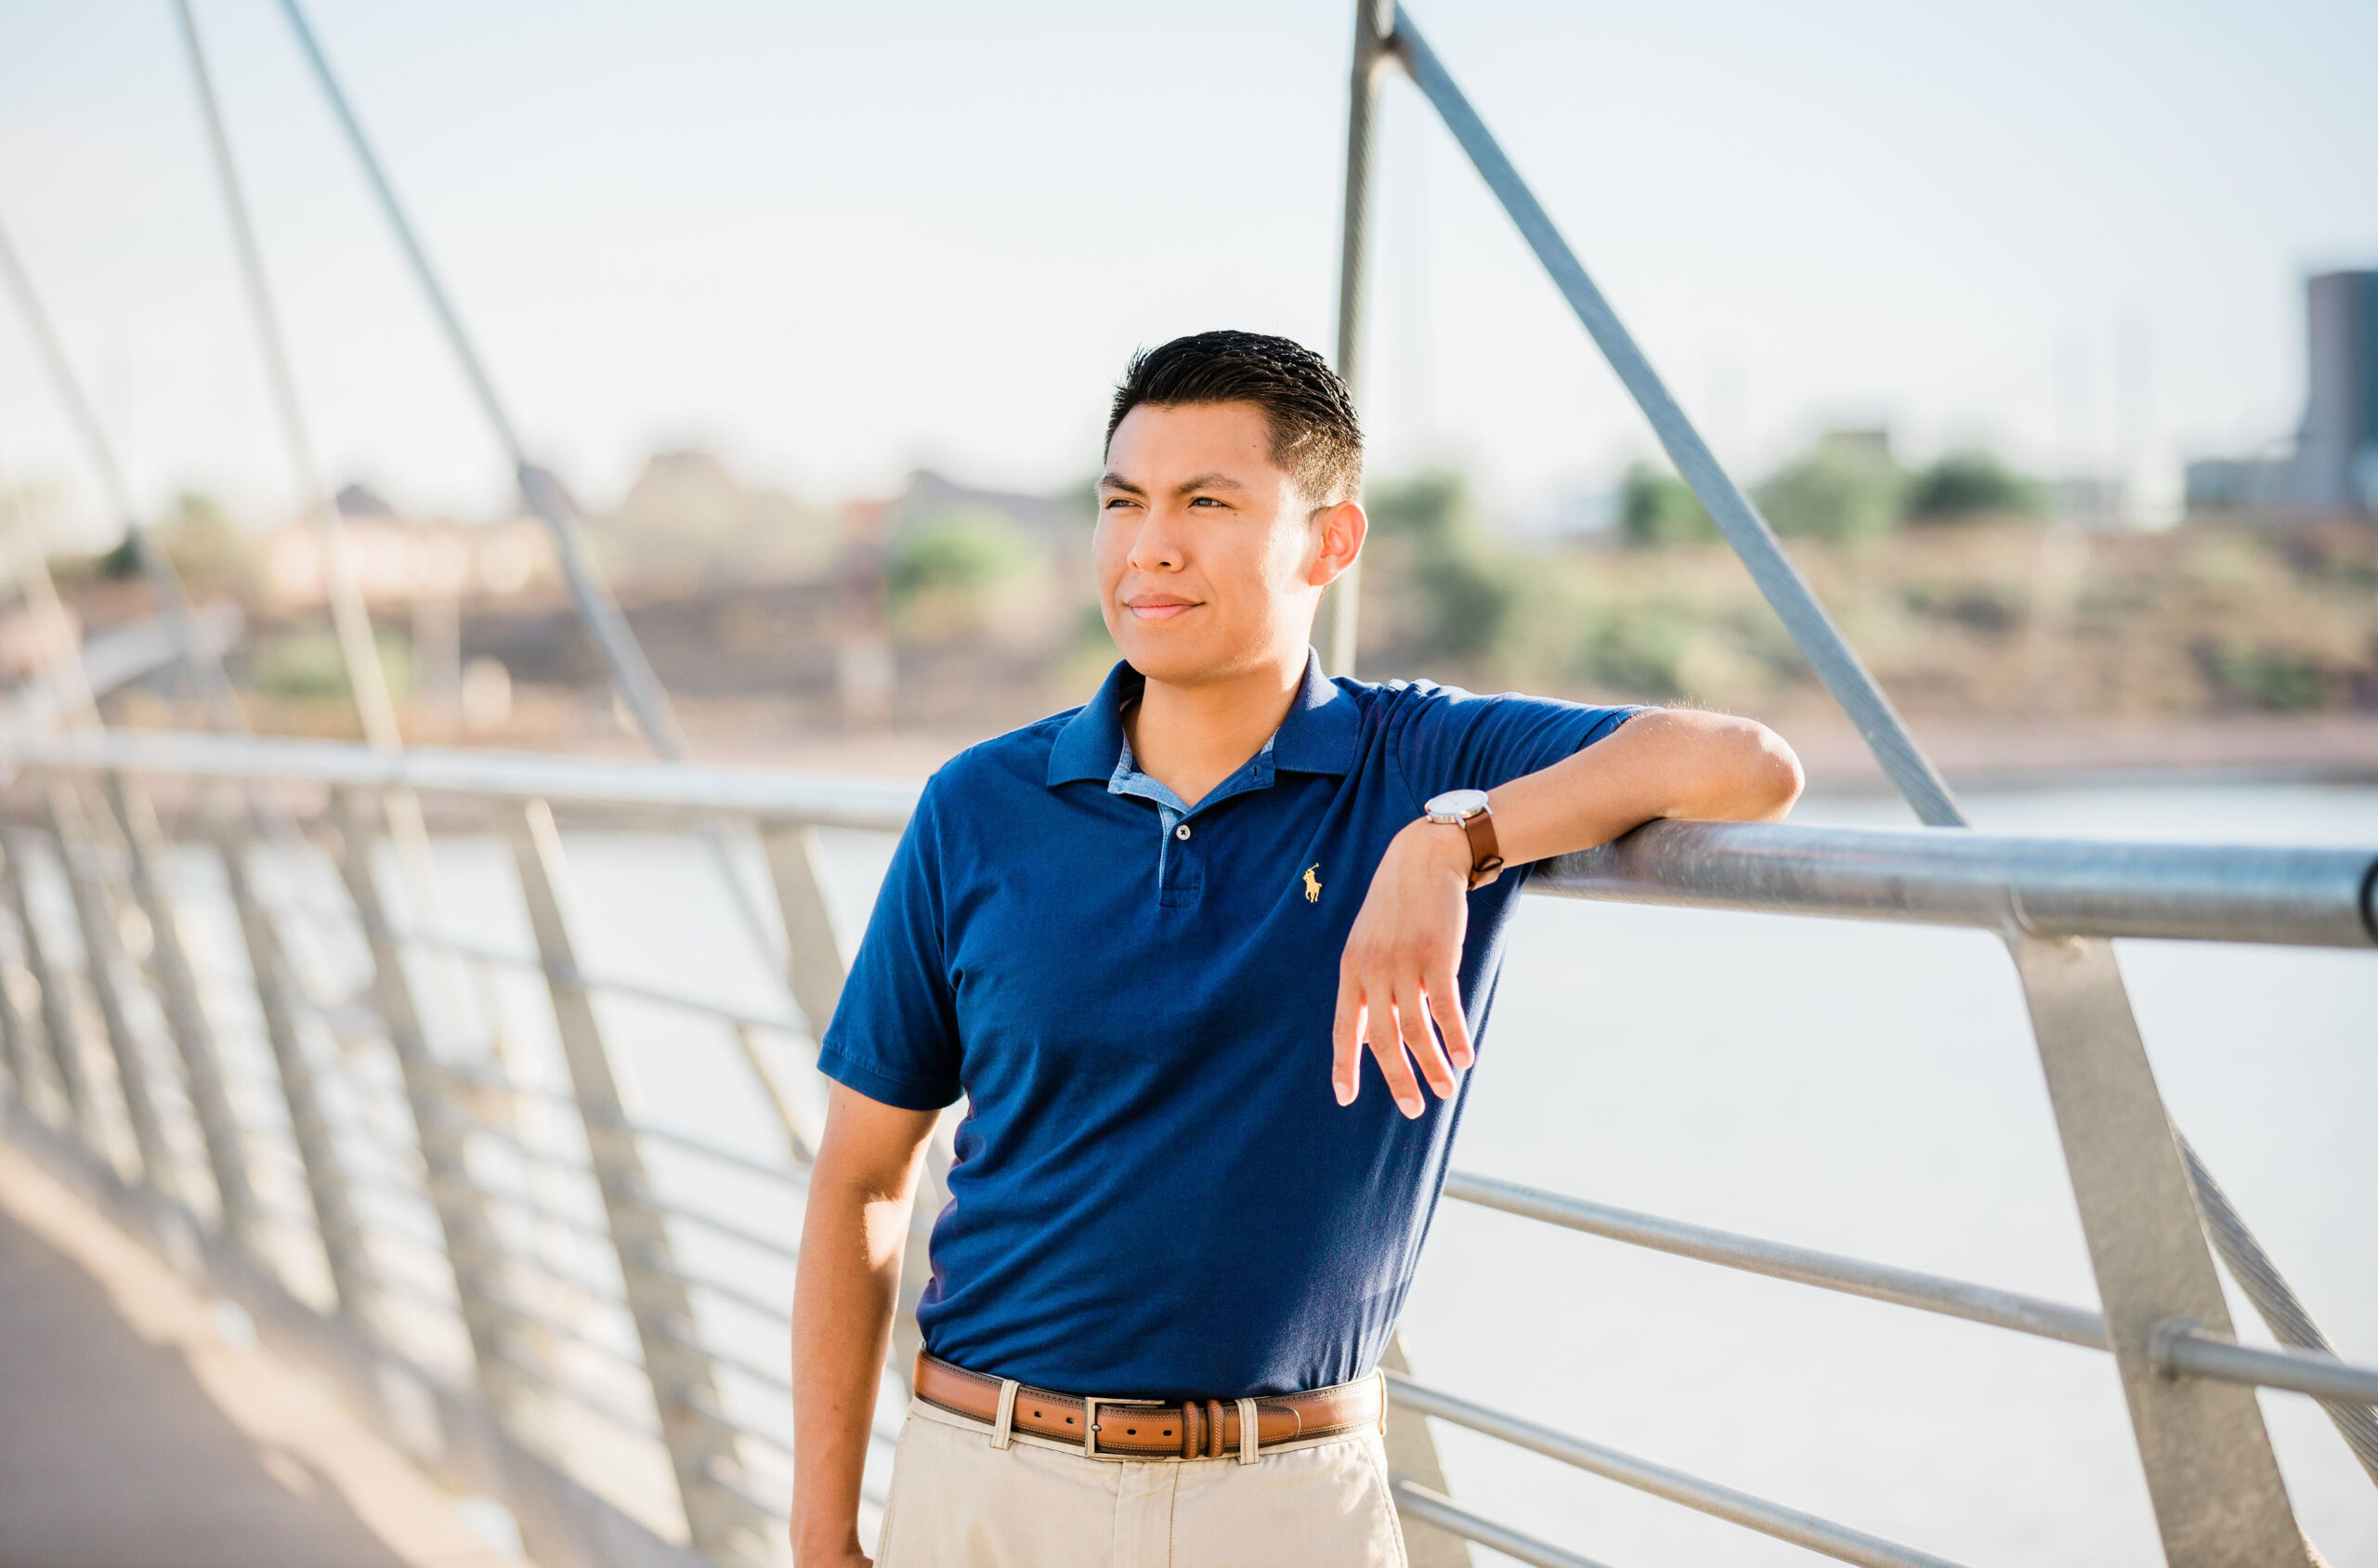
x,y
1341,531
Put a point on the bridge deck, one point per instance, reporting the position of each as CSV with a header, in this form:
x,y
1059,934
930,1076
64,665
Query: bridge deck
x,y
133,1431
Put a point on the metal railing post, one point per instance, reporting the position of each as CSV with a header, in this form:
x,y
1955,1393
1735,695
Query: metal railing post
x,y
16,1042
814,961
1373,24
1412,1456
277,997
16,1029
468,1234
816,970
2219,1501
103,962
1411,1450
718,1520
56,1013
186,1019
814,966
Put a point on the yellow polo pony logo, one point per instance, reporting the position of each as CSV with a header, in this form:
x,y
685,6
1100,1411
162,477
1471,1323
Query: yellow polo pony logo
x,y
1311,884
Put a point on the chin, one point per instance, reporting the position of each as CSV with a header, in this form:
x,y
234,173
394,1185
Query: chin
x,y
1174,662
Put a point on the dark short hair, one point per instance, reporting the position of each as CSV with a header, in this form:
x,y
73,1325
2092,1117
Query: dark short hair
x,y
1314,434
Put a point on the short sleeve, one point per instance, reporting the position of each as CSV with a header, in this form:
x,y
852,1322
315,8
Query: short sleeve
x,y
895,1033
1454,740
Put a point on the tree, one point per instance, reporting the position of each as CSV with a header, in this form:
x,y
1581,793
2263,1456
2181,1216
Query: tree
x,y
1848,487
1972,483
1467,590
1656,507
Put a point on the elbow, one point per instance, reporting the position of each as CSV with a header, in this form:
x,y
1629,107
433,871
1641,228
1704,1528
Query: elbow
x,y
1774,776
1736,769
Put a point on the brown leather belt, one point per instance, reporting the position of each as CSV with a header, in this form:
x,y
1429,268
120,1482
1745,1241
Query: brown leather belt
x,y
1134,1429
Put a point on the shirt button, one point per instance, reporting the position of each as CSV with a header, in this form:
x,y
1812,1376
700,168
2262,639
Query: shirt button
x,y
1181,832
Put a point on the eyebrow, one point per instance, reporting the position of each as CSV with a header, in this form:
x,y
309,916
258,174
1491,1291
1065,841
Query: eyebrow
x,y
1211,480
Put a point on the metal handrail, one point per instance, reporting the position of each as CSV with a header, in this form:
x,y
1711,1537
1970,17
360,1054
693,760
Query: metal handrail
x,y
1706,1496
684,1336
2019,886
688,788
794,1176
2026,885
735,1295
1802,1265
2185,1350
783,1250
1436,1509
2034,885
563,1388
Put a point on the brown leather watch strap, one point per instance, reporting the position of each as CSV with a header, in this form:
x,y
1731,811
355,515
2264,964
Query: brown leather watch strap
x,y
1486,854
1146,1430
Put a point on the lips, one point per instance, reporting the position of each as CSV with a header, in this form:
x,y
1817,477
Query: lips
x,y
1157,607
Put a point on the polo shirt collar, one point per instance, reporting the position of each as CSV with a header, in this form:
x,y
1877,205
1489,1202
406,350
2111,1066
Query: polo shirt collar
x,y
1318,736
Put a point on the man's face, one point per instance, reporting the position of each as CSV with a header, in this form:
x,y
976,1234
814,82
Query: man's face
x,y
1210,561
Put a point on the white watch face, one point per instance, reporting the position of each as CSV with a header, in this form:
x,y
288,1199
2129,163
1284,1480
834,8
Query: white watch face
x,y
1456,806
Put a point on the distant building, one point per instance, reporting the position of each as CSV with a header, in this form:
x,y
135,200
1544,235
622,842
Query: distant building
x,y
2336,455
394,560
2333,467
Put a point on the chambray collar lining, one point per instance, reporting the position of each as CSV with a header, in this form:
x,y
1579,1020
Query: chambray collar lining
x,y
1316,736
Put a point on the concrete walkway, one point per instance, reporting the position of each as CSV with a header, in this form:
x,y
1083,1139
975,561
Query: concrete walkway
x,y
133,1431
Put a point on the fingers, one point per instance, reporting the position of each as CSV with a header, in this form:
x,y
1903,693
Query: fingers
x,y
1387,1048
1395,1028
1412,1024
1444,1006
1346,1039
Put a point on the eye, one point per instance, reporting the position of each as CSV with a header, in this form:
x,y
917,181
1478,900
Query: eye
x,y
1205,501
1114,501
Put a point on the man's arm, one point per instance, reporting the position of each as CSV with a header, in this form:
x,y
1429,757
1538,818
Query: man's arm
x,y
1404,955
848,1283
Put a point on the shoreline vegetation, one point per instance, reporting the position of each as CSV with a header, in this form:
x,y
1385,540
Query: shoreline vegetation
x,y
898,629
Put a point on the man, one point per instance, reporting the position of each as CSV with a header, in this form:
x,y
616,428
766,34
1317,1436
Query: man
x,y
1153,941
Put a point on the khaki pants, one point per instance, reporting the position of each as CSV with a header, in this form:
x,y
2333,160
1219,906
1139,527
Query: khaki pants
x,y
958,1502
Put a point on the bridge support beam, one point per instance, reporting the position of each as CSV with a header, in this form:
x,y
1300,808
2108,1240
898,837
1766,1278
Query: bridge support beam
x,y
2219,1501
66,1064
472,1247
318,1157
721,1524
103,962
186,1019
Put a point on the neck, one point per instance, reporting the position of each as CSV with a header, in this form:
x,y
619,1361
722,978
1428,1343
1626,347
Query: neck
x,y
1191,738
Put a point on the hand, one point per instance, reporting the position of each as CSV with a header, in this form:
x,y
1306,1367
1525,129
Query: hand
x,y
1402,968
839,1556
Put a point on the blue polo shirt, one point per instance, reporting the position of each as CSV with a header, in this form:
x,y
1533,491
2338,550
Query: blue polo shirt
x,y
1155,1193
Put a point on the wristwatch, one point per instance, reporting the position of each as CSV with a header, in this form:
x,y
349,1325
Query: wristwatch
x,y
1467,809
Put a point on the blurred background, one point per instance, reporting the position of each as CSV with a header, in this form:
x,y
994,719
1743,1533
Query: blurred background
x,y
2035,328
2047,335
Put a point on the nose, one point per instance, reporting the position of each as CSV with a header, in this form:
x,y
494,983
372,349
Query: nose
x,y
1155,547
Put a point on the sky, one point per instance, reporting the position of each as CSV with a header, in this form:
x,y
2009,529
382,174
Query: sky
x,y
834,242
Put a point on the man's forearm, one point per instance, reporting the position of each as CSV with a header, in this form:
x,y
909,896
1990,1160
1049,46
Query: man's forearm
x,y
841,1327
1402,960
861,1193
1670,762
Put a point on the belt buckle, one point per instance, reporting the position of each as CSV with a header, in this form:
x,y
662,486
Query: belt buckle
x,y
1089,1403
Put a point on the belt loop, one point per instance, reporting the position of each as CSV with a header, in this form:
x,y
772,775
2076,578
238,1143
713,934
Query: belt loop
x,y
1247,1438
1382,1375
1003,1425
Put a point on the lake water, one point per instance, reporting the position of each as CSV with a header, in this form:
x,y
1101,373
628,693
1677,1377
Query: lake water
x,y
1873,1090
1868,1090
